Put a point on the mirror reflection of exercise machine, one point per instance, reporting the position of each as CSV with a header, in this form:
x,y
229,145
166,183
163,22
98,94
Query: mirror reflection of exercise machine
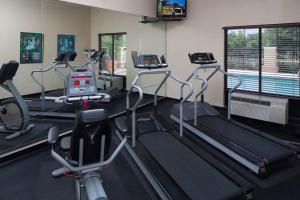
x,y
108,82
14,114
46,105
104,77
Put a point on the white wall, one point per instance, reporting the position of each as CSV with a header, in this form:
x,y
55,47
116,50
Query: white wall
x,y
48,17
136,7
17,16
202,31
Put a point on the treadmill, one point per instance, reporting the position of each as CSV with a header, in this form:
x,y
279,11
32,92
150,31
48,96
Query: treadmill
x,y
45,105
180,172
257,151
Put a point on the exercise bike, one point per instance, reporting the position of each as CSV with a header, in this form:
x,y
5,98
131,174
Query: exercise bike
x,y
88,146
14,114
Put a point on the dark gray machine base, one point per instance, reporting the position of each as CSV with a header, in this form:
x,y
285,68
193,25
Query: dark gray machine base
x,y
196,177
251,148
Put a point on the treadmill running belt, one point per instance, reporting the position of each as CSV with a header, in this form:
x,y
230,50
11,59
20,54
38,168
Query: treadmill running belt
x,y
254,143
195,176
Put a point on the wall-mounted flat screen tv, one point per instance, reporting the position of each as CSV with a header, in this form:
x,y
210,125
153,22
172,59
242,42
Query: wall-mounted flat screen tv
x,y
171,8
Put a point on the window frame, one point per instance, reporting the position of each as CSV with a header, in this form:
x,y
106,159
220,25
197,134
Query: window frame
x,y
100,35
259,27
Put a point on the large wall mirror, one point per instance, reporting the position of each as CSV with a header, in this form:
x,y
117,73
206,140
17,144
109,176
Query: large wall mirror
x,y
21,47
39,39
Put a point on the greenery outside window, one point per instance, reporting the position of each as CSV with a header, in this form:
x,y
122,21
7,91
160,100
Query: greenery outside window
x,y
114,46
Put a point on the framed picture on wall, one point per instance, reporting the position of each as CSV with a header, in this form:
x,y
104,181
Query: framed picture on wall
x,y
31,48
65,43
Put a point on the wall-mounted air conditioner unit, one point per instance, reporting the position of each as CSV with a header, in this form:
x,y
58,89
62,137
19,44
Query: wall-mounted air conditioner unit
x,y
259,107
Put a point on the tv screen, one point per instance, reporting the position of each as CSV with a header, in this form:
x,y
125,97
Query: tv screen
x,y
171,8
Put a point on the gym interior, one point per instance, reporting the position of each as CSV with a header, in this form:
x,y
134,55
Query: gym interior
x,y
149,99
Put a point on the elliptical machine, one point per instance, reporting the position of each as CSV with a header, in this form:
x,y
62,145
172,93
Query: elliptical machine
x,y
14,114
88,146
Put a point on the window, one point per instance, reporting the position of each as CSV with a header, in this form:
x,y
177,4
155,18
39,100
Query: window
x,y
266,59
114,46
280,61
243,58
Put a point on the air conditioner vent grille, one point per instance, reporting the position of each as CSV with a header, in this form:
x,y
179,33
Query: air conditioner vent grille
x,y
260,107
252,101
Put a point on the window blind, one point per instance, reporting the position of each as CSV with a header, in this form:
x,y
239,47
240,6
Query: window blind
x,y
279,72
280,56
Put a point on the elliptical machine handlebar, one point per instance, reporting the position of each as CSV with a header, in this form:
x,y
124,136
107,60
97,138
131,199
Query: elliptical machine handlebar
x,y
53,138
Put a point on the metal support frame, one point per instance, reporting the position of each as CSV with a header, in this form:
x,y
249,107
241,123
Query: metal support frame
x,y
56,64
134,85
204,86
62,76
88,182
81,168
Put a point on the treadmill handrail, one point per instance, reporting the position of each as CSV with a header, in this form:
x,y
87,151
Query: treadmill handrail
x,y
204,86
183,100
42,71
133,110
217,68
168,74
138,102
208,66
240,82
61,75
39,83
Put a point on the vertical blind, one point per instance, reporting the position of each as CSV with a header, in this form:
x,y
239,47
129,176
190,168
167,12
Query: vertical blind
x,y
267,59
243,58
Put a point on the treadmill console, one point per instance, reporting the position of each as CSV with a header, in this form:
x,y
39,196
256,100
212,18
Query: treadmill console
x,y
202,58
148,61
81,84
